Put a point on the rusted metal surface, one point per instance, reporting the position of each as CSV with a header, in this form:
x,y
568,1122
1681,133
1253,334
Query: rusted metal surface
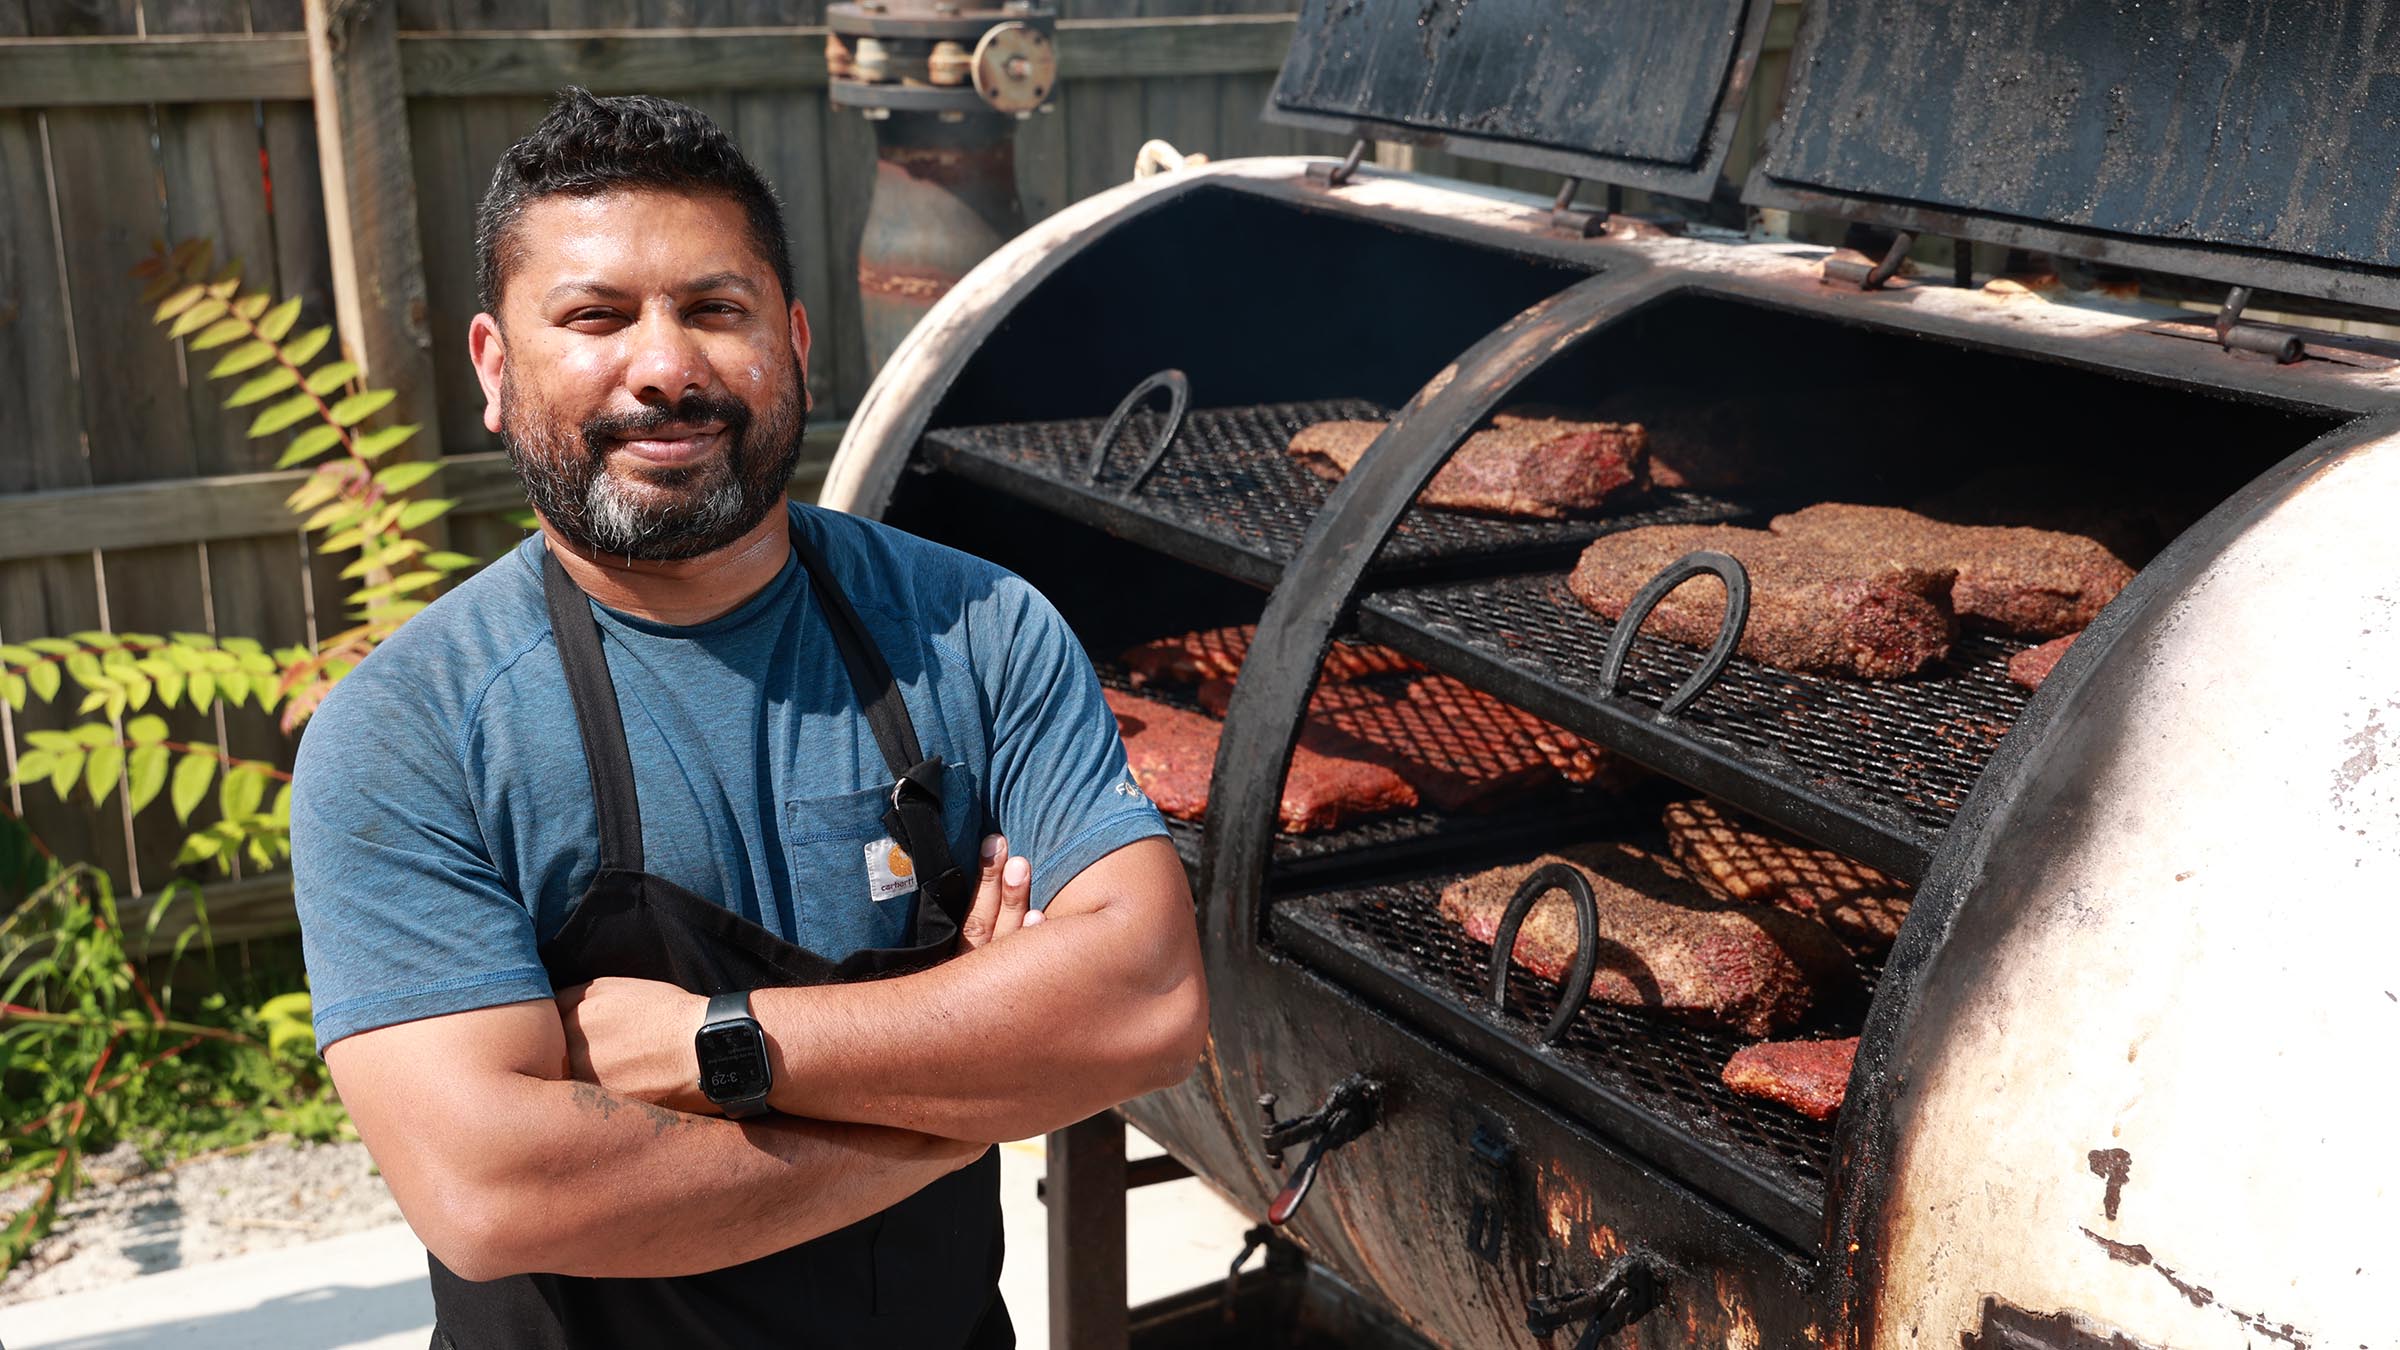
x,y
945,198
1617,91
2209,138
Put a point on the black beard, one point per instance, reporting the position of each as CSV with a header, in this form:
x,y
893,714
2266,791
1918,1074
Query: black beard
x,y
680,513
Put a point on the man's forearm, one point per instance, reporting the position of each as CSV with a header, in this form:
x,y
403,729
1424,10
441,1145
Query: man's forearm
x,y
1013,1039
572,1179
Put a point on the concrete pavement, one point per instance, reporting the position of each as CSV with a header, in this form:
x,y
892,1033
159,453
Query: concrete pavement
x,y
367,1291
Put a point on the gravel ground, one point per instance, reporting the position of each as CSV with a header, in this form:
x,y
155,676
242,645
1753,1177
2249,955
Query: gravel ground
x,y
135,1221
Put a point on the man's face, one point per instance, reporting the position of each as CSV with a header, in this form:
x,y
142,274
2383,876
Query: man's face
x,y
644,372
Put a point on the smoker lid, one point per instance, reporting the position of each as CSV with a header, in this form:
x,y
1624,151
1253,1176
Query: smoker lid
x,y
2248,143
1616,91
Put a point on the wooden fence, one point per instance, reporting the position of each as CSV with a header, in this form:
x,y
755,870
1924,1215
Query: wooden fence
x,y
129,498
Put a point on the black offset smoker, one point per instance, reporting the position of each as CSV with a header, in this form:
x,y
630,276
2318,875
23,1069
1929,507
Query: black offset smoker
x,y
1461,1145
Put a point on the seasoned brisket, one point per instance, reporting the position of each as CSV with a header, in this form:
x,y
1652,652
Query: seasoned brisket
x,y
1217,653
1666,944
2033,665
1545,468
1748,862
1812,608
1173,752
2020,581
1811,1077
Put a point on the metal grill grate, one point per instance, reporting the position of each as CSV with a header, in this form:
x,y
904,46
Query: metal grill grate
x,y
1409,839
1663,1068
1230,487
1907,750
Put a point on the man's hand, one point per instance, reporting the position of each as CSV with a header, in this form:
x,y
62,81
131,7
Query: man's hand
x,y
634,1037
1003,895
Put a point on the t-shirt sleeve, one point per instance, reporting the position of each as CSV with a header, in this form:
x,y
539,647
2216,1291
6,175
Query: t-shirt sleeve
x,y
1059,787
402,913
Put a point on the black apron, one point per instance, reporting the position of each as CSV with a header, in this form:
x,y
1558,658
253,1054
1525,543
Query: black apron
x,y
923,1274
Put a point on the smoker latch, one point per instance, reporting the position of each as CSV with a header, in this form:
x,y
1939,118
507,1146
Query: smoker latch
x,y
1629,1289
1490,1154
1349,1111
1569,223
2236,336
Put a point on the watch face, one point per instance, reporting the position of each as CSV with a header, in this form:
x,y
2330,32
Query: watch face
x,y
733,1062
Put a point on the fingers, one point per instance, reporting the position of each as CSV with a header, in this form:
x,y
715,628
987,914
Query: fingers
x,y
984,913
1016,893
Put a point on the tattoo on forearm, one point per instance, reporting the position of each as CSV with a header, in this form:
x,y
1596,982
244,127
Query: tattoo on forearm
x,y
608,1104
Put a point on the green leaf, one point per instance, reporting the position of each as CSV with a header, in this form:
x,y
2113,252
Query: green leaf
x,y
12,689
94,733
51,740
53,646
233,686
203,689
342,513
219,333
347,539
178,302
273,382
523,520
193,773
400,478
94,637
304,348
243,789
65,768
279,320
307,446
331,376
224,287
137,691
375,443
170,688
284,414
251,306
280,810
321,486
198,848
249,356
419,512
44,680
145,774
447,561
93,701
34,765
18,656
359,407
199,316
146,730
102,770
85,667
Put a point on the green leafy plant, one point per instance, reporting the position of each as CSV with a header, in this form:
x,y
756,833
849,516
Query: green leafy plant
x,y
93,1052
353,501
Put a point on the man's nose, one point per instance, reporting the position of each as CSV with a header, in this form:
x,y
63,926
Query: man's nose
x,y
665,363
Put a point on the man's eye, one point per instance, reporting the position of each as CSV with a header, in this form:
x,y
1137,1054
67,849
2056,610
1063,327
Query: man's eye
x,y
719,308
587,317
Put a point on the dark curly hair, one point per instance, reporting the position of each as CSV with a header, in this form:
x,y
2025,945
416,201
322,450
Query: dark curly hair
x,y
587,145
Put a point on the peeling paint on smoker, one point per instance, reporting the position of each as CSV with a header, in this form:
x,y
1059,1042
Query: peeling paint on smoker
x,y
2166,994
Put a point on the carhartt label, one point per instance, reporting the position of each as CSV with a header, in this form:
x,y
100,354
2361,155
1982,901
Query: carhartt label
x,y
890,871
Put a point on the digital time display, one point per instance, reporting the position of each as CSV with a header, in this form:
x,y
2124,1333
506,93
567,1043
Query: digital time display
x,y
733,1063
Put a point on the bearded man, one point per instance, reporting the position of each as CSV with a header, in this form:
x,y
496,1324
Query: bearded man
x,y
596,856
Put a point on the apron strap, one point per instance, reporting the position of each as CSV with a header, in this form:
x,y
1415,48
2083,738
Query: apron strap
x,y
577,633
915,817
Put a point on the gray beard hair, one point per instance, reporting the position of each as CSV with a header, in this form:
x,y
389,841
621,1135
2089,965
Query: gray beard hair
x,y
617,524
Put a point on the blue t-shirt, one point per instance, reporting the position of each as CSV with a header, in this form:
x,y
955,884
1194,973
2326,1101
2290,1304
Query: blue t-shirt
x,y
442,814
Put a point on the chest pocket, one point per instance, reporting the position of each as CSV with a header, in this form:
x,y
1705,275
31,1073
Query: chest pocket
x,y
833,874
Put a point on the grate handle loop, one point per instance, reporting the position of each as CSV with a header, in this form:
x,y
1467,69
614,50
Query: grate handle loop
x,y
1578,985
1179,399
1729,569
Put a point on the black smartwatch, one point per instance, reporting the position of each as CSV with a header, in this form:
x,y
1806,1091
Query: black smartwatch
x,y
734,1069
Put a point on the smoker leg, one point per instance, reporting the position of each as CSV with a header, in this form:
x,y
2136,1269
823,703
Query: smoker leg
x,y
1086,1193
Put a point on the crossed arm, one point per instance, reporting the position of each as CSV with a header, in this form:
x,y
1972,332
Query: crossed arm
x,y
568,1136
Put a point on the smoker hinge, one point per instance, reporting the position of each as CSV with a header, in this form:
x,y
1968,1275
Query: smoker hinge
x,y
2235,336
1335,175
1568,222
1850,268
